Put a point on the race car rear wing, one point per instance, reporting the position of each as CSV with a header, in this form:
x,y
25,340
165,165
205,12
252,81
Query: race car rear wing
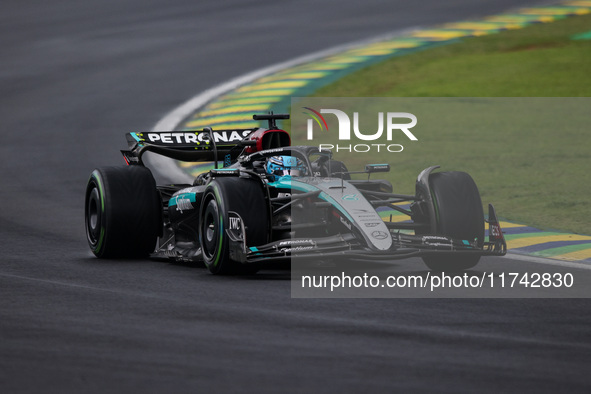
x,y
194,146
207,144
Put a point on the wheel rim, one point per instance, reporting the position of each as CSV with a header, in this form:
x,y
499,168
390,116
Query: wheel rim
x,y
210,230
93,216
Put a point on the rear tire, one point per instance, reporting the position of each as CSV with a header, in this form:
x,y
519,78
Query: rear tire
x,y
246,197
459,215
122,212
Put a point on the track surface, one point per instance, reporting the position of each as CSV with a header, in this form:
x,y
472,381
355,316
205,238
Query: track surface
x,y
74,77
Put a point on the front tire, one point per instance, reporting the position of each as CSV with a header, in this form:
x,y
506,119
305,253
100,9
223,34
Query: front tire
x,y
459,215
122,212
246,197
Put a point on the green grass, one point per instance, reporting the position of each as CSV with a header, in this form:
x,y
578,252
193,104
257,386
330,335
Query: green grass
x,y
540,176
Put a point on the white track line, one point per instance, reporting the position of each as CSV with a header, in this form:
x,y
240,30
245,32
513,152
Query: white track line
x,y
547,261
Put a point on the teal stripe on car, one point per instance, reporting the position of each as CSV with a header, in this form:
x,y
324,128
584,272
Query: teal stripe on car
x,y
185,196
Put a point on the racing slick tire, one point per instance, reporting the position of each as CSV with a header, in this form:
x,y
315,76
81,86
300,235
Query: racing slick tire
x,y
247,198
459,215
122,212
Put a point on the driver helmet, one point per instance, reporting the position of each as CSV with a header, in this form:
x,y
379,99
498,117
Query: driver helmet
x,y
280,166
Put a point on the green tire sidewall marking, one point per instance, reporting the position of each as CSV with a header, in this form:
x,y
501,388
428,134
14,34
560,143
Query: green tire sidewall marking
x,y
219,201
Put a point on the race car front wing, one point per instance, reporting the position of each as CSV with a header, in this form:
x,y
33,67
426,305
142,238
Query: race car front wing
x,y
352,246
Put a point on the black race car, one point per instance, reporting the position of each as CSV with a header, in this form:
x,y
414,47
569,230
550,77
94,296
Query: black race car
x,y
274,202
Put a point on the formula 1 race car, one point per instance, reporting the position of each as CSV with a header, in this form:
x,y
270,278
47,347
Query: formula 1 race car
x,y
274,202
